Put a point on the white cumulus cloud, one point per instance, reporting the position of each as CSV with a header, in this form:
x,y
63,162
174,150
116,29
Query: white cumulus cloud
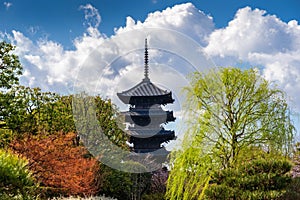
x,y
49,66
184,18
175,36
261,39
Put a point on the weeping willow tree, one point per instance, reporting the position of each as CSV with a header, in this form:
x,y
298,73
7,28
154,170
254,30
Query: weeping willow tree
x,y
229,110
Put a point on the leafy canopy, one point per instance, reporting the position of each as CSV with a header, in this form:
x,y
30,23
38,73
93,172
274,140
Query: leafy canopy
x,y
229,110
10,66
10,70
257,176
237,109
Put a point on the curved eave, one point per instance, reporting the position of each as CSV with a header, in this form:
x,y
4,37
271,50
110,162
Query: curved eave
x,y
155,139
160,134
160,153
166,116
146,89
154,99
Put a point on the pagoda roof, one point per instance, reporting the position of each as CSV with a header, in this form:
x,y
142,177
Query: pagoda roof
x,y
161,153
144,133
143,117
144,88
147,111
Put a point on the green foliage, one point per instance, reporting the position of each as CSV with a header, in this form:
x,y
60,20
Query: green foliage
x,y
117,184
15,177
154,196
6,136
235,109
107,118
30,110
97,124
190,173
10,66
262,178
229,110
10,70
124,185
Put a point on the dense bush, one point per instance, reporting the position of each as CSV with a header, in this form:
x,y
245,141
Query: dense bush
x,y
117,184
124,185
16,181
257,179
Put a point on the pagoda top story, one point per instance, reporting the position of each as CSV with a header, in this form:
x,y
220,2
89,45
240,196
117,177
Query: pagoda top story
x,y
146,89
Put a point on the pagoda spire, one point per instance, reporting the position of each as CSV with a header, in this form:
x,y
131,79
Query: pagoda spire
x,y
146,66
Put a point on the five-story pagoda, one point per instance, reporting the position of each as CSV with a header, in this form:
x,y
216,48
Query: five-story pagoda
x,y
146,115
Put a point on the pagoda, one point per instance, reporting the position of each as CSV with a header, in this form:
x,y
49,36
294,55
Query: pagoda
x,y
146,116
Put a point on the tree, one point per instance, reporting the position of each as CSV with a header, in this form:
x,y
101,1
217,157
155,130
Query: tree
x,y
61,167
230,110
106,116
32,111
10,70
10,66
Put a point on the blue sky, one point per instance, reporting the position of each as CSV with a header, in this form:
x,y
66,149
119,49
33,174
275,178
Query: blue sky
x,y
97,45
62,20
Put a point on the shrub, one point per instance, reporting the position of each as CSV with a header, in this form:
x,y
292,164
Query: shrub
x,y
16,180
256,179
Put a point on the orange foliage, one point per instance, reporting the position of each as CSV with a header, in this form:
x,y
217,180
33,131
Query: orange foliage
x,y
59,163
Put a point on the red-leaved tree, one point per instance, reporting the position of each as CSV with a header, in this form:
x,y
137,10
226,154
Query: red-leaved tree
x,y
60,164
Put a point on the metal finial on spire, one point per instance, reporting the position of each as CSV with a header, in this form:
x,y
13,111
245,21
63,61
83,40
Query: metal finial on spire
x,y
146,72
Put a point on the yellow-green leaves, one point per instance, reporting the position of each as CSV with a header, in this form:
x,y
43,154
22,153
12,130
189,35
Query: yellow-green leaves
x,y
229,110
15,177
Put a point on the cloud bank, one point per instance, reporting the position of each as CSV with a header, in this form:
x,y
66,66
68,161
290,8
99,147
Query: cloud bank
x,y
253,36
264,40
